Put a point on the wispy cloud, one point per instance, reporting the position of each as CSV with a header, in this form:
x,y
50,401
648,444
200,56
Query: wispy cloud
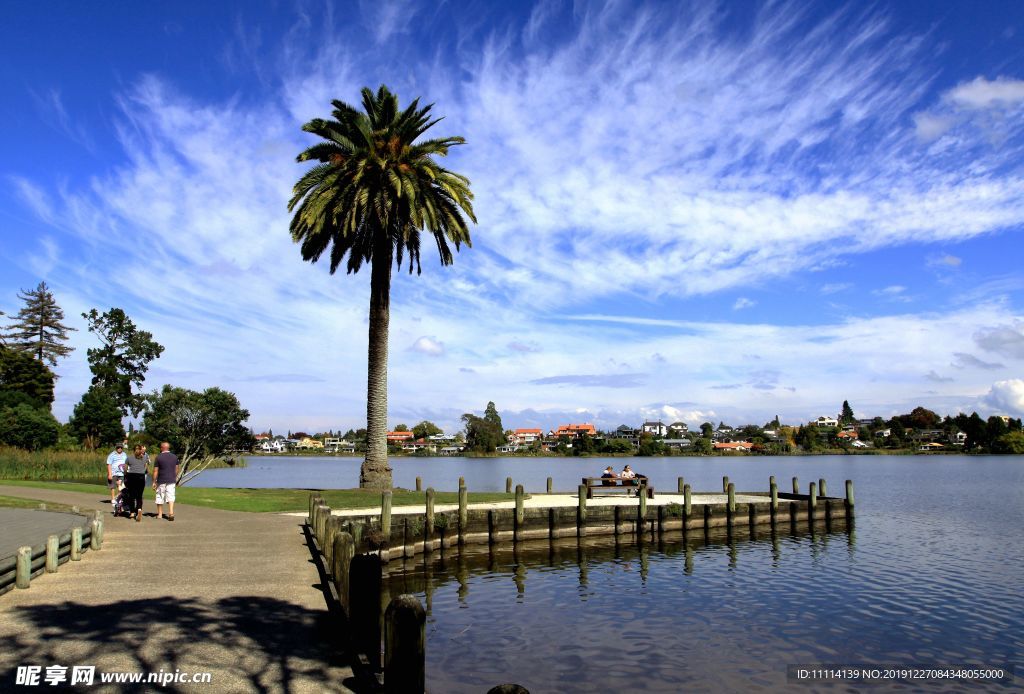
x,y
594,380
742,303
430,346
967,361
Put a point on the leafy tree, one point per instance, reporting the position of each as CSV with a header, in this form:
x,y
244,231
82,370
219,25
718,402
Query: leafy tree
x,y
583,444
618,446
96,420
706,429
20,373
650,446
482,435
201,427
123,359
703,445
1011,442
425,429
494,419
401,427
370,196
37,329
921,418
846,417
28,427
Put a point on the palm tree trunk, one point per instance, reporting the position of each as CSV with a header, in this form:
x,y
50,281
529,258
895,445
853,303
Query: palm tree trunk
x,y
375,473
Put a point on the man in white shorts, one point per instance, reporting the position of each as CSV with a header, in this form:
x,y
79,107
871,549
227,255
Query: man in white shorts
x,y
165,474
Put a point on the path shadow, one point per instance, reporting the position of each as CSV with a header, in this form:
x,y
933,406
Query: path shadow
x,y
248,643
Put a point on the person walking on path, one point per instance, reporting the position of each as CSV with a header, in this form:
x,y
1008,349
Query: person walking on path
x,y
135,471
165,475
115,471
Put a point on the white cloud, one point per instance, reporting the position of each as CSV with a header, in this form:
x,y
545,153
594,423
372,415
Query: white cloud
x,y
835,287
428,345
981,93
1007,397
1004,340
742,303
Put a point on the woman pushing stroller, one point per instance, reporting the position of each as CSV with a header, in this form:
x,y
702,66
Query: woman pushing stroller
x,y
136,468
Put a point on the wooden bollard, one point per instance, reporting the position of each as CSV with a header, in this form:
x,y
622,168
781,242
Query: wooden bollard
x,y
364,605
419,483
312,505
680,483
551,485
771,480
462,482
730,489
343,551
321,523
96,537
642,499
849,497
52,547
463,514
385,515
405,644
331,530
796,485
76,544
508,485
687,506
725,483
23,568
520,513
812,501
581,512
428,518
774,490
821,488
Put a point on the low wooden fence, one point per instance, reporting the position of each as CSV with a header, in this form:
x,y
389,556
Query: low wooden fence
x,y
30,562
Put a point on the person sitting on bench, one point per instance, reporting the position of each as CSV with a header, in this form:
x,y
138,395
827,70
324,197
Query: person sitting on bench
x,y
609,477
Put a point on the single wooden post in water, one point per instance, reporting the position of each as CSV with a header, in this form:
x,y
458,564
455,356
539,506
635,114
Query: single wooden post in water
x,y
581,512
52,547
76,544
508,485
23,568
520,513
642,507
774,490
725,483
462,482
680,483
551,485
463,514
96,537
419,483
821,488
364,605
405,646
385,515
849,497
687,506
812,501
796,485
342,552
428,519
730,489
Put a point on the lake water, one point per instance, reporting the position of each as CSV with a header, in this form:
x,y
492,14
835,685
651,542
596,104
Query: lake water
x,y
931,574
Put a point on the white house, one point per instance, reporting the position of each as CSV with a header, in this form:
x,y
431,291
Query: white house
x,y
654,428
826,422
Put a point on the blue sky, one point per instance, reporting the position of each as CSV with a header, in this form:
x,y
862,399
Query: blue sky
x,y
692,212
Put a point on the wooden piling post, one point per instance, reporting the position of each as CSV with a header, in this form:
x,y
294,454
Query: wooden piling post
x,y
405,646
96,537
771,480
76,544
428,518
462,482
849,498
309,517
341,561
23,568
581,512
821,488
812,501
463,514
774,490
419,483
680,483
796,485
551,485
385,515
331,530
52,547
725,483
731,491
520,513
365,577
687,506
641,517
508,485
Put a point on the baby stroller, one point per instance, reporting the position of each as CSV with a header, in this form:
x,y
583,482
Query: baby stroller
x,y
123,503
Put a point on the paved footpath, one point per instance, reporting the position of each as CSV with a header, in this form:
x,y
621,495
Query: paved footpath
x,y
30,527
229,593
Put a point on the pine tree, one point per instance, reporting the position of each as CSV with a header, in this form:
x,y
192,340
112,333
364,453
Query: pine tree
x,y
846,416
37,329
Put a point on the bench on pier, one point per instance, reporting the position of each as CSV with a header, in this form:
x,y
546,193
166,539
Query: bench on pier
x,y
607,486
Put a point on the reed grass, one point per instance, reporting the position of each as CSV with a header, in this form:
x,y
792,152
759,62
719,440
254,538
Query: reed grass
x,y
70,466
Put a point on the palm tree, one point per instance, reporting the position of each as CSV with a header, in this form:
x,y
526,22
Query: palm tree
x,y
373,191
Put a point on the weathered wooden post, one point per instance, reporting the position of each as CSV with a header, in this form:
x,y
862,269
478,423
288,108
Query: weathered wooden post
x,y
428,520
796,485
687,507
774,491
96,536
551,485
821,488
849,498
364,605
508,485
463,514
462,482
76,544
581,512
725,483
312,505
321,524
52,547
731,491
680,483
771,480
385,515
641,511
405,646
520,513
812,502
332,528
23,568
341,561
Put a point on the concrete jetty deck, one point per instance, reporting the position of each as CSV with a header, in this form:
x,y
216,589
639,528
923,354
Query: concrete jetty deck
x,y
229,593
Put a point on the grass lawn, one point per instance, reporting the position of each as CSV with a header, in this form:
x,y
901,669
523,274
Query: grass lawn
x,y
273,500
18,502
